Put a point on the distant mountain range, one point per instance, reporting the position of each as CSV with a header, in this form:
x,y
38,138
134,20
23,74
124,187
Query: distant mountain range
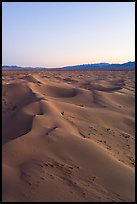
x,y
100,66
127,65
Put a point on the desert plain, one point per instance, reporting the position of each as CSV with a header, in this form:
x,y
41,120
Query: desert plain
x,y
68,136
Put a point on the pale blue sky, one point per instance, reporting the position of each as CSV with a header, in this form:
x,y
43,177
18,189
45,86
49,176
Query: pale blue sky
x,y
56,34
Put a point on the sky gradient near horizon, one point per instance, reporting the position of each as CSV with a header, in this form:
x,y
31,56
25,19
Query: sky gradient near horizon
x,y
56,34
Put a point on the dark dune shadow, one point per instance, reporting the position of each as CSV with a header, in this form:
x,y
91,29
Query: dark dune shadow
x,y
15,125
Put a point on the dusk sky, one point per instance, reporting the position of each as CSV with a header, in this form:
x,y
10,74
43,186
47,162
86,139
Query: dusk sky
x,y
58,34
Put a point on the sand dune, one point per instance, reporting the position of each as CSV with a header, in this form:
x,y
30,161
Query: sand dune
x,y
68,136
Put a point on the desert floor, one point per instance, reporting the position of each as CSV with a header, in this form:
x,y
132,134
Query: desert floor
x,y
68,136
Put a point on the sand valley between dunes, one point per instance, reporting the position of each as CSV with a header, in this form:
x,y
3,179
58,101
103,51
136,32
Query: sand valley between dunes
x,y
68,136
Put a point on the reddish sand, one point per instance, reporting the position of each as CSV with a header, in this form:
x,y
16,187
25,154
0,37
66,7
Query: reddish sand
x,y
68,136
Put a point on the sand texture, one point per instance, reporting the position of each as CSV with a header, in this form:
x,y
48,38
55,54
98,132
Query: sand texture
x,y
68,136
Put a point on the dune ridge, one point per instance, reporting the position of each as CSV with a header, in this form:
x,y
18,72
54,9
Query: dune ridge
x,y
68,136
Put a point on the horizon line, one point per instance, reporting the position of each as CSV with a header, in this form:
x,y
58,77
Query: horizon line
x,y
69,65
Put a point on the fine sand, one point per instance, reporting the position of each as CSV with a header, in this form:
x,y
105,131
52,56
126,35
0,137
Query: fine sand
x,y
68,136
